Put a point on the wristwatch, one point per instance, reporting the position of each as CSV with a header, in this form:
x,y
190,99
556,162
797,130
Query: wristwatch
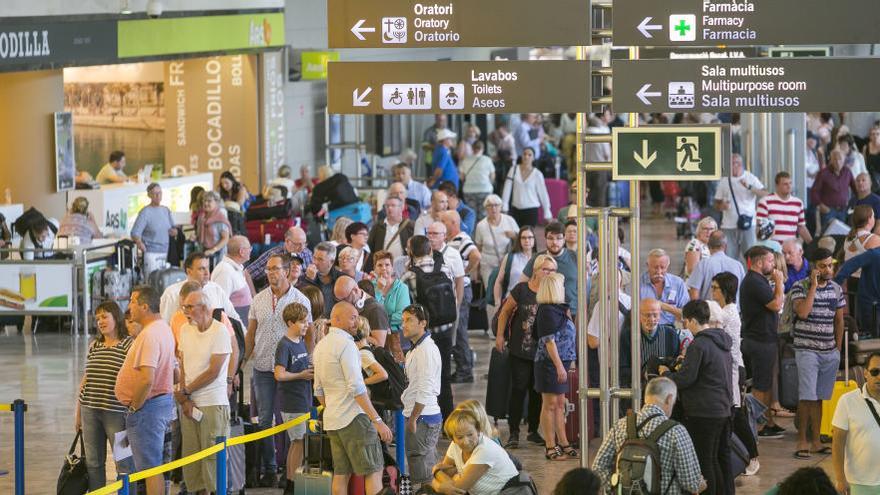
x,y
377,419
131,410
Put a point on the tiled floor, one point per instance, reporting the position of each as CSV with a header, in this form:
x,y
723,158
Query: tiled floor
x,y
45,370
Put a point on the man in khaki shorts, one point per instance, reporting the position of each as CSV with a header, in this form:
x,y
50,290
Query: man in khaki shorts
x,y
350,420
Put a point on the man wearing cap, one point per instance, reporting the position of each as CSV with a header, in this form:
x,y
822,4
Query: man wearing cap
x,y
444,167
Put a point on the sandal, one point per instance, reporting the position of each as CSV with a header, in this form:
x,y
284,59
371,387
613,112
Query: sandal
x,y
823,451
569,451
554,454
803,454
782,412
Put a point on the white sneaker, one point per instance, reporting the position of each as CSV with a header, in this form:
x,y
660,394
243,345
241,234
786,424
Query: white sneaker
x,y
753,467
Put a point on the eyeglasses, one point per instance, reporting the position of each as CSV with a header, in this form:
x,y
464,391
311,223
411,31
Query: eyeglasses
x,y
874,372
189,307
527,237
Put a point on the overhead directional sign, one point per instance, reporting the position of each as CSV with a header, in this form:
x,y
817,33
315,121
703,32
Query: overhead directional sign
x,y
744,22
409,23
553,86
667,153
747,85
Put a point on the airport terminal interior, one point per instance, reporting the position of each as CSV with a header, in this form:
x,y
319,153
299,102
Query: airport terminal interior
x,y
485,247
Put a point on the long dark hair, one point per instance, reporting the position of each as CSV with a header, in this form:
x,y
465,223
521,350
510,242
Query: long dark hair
x,y
111,308
231,195
517,243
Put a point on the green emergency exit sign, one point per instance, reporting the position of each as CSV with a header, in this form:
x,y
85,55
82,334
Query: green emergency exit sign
x,y
667,153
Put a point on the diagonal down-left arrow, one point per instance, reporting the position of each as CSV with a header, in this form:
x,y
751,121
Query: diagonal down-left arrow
x,y
358,100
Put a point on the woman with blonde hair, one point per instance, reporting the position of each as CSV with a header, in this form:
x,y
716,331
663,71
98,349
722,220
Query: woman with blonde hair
x,y
520,310
554,355
473,463
479,411
80,222
698,247
213,230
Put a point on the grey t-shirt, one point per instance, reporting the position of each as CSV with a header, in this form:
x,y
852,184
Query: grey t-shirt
x,y
152,225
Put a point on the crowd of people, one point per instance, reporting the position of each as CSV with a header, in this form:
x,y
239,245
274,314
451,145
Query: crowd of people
x,y
312,317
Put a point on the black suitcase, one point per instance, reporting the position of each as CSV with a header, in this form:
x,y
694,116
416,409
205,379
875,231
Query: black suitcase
x,y
739,456
498,386
788,377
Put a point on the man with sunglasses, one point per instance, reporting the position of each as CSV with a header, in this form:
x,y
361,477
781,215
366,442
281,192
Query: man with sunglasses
x,y
856,434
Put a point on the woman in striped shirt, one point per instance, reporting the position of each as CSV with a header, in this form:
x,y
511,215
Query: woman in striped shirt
x,y
98,413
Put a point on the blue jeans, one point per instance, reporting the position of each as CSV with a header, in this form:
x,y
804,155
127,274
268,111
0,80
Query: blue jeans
x,y
266,388
833,213
146,431
99,427
461,351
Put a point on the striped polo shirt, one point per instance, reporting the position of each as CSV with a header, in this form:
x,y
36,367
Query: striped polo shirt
x,y
102,367
816,332
787,214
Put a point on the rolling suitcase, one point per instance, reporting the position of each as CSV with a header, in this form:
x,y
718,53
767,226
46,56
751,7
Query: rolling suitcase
x,y
498,386
275,228
572,416
788,376
557,190
236,462
315,477
840,388
162,279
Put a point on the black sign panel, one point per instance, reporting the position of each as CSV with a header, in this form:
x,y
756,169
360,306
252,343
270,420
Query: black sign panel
x,y
747,85
745,22
40,45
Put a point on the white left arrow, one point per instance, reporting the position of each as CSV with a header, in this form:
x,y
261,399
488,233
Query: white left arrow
x,y
643,94
646,28
358,100
358,28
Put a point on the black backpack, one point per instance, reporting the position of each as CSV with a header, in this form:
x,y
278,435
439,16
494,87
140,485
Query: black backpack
x,y
637,465
436,293
386,394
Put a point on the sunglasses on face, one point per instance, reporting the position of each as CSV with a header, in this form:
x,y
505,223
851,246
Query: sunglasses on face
x,y
874,372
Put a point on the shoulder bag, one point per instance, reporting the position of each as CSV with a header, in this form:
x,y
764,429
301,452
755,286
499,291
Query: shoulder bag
x,y
743,222
74,478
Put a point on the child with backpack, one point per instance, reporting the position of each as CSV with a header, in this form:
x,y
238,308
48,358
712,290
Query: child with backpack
x,y
294,372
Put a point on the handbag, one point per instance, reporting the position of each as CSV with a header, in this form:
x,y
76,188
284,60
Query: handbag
x,y
74,478
493,275
743,222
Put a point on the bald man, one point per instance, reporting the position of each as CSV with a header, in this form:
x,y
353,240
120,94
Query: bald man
x,y
347,290
659,341
461,242
231,276
439,204
436,234
351,422
294,243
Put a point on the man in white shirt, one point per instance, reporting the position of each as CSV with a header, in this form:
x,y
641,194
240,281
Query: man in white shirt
x,y
350,420
451,258
414,189
113,172
420,407
203,353
266,327
735,197
529,134
439,204
461,243
197,270
230,275
856,435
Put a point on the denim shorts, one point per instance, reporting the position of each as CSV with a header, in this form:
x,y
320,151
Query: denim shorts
x,y
296,432
817,372
146,431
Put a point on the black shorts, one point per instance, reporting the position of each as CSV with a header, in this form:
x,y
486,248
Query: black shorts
x,y
760,358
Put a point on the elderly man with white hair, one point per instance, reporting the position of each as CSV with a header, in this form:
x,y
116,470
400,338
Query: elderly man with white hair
x,y
657,283
679,466
230,275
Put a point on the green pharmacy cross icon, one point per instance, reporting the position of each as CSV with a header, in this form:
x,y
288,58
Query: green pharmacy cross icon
x,y
682,28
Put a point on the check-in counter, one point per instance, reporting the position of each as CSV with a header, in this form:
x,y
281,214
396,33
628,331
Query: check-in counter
x,y
116,206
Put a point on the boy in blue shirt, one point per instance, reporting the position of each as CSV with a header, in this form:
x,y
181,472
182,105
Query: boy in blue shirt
x,y
294,373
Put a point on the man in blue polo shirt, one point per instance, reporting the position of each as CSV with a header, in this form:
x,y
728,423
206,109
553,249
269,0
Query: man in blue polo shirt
x,y
444,167
657,283
798,267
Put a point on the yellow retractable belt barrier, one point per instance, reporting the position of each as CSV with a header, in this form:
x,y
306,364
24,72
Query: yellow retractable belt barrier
x,y
5,407
147,473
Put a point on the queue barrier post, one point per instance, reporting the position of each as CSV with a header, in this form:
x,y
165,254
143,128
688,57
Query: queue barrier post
x,y
18,409
125,484
221,467
400,434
